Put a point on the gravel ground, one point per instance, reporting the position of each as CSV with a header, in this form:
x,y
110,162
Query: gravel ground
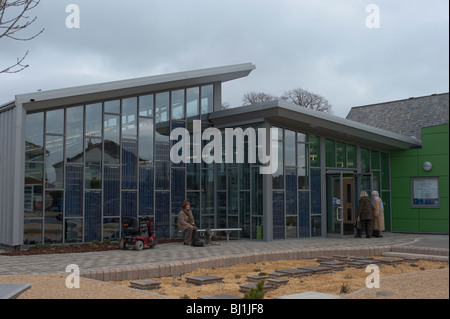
x,y
400,282
428,284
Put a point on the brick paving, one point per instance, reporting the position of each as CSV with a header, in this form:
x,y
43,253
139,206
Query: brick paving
x,y
176,258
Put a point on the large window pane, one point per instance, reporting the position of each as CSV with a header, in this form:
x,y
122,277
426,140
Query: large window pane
x,y
92,216
112,139
111,228
146,141
129,165
289,142
351,156
193,176
34,140
74,191
365,160
178,105
385,171
341,155
162,107
192,101
145,191
93,163
302,168
94,119
33,196
208,192
32,231
55,122
330,153
54,162
207,104
112,106
375,159
146,105
278,176
53,217
129,118
111,201
74,230
74,134
314,153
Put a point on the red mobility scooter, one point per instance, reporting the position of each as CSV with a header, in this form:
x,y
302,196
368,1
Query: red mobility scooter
x,y
138,233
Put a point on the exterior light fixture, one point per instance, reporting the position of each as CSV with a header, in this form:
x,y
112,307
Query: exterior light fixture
x,y
427,166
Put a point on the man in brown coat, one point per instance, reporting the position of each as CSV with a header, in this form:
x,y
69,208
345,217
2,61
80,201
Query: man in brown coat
x,y
365,214
186,223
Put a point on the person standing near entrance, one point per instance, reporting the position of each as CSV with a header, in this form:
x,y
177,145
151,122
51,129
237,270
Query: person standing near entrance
x,y
378,214
186,223
365,214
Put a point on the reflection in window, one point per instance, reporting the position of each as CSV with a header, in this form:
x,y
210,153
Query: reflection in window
x,y
341,154
112,106
162,107
32,231
192,101
73,230
278,177
314,154
302,168
146,141
130,165
178,105
207,105
129,118
330,153
34,140
111,228
290,148
94,119
112,139
54,162
365,160
146,105
53,217
93,164
33,196
74,134
351,156
55,122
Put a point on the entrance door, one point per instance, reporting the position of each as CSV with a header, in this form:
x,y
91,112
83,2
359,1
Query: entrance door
x,y
340,204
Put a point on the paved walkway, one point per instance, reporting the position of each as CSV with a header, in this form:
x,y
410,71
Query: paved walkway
x,y
174,258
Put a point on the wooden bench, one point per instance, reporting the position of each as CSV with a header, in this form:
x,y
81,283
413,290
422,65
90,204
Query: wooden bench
x,y
226,230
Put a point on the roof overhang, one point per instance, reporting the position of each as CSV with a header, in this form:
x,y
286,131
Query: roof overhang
x,y
281,113
111,90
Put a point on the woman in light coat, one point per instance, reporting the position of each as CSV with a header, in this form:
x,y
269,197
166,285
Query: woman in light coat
x,y
378,218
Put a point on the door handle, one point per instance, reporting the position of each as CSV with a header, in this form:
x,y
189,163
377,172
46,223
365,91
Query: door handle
x,y
337,214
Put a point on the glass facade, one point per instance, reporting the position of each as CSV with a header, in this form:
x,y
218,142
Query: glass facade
x,y
87,166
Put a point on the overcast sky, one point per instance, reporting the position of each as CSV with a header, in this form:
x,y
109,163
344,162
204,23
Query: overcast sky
x,y
323,46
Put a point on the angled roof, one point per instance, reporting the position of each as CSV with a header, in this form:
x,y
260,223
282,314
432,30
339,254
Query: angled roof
x,y
299,118
406,117
111,90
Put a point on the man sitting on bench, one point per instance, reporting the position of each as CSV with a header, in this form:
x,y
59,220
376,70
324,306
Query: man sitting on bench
x,y
186,223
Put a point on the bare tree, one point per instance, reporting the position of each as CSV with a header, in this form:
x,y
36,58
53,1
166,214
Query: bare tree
x,y
307,99
257,97
14,19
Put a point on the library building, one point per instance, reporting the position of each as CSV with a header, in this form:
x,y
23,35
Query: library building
x,y
75,161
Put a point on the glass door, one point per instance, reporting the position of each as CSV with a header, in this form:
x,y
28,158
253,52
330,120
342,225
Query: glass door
x,y
341,204
334,205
